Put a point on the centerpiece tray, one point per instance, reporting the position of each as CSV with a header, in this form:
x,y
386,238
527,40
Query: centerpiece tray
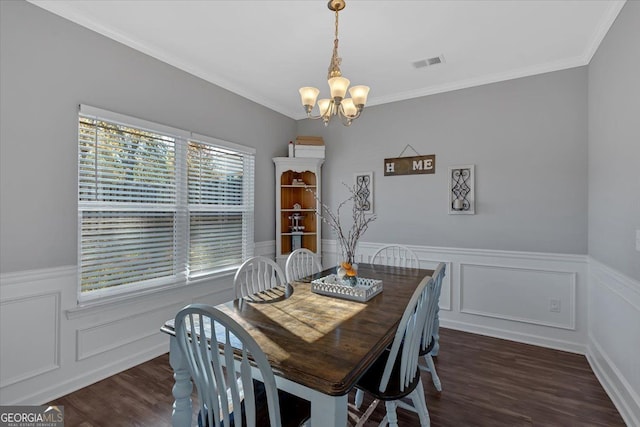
x,y
333,286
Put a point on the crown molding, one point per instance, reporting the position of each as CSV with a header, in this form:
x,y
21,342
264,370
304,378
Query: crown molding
x,y
601,31
63,10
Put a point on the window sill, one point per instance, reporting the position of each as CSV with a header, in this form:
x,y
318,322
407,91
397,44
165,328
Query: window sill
x,y
91,307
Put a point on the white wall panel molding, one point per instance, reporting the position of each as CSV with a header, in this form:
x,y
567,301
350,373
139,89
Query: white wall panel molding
x,y
35,316
518,294
104,337
47,390
614,337
60,348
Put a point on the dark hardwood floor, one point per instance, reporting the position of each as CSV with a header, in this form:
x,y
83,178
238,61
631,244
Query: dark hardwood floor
x,y
486,382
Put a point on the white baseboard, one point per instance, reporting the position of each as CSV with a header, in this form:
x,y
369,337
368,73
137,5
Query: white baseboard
x,y
619,390
537,340
614,312
55,391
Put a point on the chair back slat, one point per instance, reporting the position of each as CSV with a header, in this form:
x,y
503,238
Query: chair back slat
x,y
220,355
257,274
396,255
432,311
301,263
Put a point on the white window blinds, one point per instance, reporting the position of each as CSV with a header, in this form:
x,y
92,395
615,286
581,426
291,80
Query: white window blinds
x,y
220,206
156,206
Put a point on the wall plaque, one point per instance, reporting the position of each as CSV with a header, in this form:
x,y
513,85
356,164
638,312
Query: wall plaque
x,y
410,165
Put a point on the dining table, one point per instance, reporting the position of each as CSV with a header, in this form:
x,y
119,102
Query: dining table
x,y
318,345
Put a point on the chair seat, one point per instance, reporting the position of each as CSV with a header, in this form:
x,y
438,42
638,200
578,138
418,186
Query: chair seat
x,y
293,410
370,381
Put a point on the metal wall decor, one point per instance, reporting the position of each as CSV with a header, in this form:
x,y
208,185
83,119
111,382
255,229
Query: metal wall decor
x,y
462,190
363,182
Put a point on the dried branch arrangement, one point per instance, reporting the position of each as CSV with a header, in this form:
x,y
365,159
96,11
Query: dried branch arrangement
x,y
360,222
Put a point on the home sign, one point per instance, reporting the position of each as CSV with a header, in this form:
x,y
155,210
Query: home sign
x,y
410,165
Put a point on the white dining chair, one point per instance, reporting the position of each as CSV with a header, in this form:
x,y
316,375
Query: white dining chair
x,y
396,255
301,263
395,374
429,337
257,274
223,378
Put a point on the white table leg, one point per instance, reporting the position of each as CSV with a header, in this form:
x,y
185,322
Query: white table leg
x,y
182,388
328,411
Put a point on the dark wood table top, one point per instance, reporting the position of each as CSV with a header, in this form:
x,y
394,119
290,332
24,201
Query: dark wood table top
x,y
323,342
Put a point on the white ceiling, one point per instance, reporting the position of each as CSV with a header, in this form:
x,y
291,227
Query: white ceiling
x,y
266,50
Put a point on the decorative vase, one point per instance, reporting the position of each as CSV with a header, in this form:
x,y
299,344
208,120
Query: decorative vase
x,y
348,273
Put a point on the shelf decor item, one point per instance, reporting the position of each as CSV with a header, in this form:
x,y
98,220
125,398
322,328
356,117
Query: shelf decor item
x,y
347,237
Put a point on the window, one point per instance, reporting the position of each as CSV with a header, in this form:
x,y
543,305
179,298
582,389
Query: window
x,y
157,205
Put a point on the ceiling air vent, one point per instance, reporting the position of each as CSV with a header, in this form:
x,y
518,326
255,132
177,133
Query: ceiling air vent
x,y
429,62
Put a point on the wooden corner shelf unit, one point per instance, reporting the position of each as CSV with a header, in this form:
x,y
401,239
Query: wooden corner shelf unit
x,y
298,182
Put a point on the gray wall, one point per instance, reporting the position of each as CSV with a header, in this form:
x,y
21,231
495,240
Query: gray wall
x,y
614,145
49,66
527,138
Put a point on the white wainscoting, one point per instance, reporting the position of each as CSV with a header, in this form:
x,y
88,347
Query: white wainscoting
x,y
38,354
506,294
614,337
50,347
525,289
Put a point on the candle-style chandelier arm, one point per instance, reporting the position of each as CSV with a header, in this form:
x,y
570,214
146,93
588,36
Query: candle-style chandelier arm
x,y
332,108
348,109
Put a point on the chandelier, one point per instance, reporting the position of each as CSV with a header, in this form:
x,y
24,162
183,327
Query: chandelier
x,y
348,109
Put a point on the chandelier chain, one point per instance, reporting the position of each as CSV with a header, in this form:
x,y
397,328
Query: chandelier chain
x,y
334,66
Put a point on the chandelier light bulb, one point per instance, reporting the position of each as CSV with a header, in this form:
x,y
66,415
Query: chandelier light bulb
x,y
349,108
324,105
359,94
338,87
309,95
